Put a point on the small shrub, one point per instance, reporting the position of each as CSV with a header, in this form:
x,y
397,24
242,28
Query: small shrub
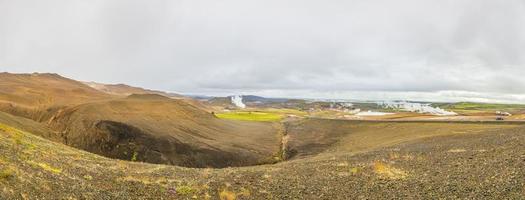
x,y
389,171
88,177
227,195
394,155
354,170
244,192
17,140
185,190
134,157
7,174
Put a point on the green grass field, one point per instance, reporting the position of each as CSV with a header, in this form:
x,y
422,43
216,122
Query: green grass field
x,y
250,116
470,107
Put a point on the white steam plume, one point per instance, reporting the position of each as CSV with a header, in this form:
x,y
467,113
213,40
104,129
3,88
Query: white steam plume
x,y
416,107
237,101
372,113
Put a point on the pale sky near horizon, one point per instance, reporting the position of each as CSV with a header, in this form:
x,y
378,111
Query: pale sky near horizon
x,y
433,50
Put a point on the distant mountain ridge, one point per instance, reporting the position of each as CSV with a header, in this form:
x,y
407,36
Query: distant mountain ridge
x,y
126,90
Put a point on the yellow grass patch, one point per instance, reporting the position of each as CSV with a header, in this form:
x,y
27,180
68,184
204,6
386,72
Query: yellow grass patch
x,y
225,194
6,173
46,167
456,150
185,190
244,192
354,170
88,177
387,171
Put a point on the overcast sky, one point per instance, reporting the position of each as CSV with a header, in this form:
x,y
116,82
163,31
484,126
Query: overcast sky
x,y
443,50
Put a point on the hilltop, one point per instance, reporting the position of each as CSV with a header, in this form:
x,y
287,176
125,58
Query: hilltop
x,y
126,90
36,95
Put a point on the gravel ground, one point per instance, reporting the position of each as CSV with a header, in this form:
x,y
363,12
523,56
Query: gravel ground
x,y
486,165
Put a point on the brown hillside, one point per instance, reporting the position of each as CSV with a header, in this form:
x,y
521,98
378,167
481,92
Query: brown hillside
x,y
44,89
36,95
143,127
157,129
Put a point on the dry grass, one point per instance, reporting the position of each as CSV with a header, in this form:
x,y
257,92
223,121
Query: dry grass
x,y
6,173
457,150
354,170
185,190
244,192
225,194
46,167
387,171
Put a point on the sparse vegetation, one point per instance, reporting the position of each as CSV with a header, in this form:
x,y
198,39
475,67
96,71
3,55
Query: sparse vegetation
x,y
134,157
354,170
6,173
46,167
340,173
226,194
457,150
244,192
88,177
388,171
185,190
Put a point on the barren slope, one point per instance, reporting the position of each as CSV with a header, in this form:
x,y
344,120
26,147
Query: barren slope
x,y
157,129
486,165
31,126
315,136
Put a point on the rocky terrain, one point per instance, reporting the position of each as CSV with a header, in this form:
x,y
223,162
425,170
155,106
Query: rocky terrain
x,y
471,163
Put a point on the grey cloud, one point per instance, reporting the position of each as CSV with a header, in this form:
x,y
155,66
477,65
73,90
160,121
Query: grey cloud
x,y
272,47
